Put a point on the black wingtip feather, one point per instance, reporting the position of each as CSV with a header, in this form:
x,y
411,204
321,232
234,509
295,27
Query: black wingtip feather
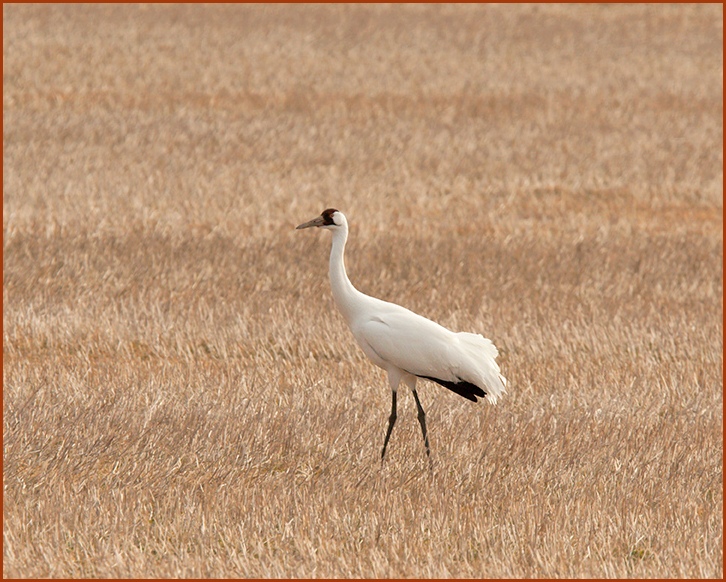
x,y
466,389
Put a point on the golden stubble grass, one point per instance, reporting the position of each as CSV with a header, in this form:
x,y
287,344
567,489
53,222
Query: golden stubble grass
x,y
182,399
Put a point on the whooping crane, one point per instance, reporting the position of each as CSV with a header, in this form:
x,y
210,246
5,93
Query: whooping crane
x,y
406,345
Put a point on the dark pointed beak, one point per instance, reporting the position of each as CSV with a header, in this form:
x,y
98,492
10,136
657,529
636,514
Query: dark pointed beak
x,y
314,222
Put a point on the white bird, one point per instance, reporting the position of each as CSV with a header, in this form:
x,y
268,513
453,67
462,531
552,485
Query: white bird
x,y
406,345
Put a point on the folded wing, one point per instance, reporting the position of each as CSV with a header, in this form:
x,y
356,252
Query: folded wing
x,y
462,362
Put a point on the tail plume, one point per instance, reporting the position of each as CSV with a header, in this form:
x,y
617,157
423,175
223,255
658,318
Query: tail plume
x,y
478,365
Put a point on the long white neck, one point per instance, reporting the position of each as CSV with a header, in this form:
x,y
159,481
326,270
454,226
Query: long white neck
x,y
345,295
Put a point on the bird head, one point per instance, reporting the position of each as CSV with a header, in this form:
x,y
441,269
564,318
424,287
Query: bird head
x,y
330,219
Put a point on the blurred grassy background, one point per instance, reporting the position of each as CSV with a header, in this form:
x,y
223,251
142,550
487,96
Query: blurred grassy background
x,y
180,397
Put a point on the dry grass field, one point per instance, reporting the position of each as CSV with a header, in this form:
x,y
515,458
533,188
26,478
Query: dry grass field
x,y
181,397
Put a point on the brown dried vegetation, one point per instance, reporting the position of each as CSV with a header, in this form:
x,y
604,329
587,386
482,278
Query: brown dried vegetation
x,y
182,399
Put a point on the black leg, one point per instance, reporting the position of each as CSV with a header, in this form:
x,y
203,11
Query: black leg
x,y
391,422
422,422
